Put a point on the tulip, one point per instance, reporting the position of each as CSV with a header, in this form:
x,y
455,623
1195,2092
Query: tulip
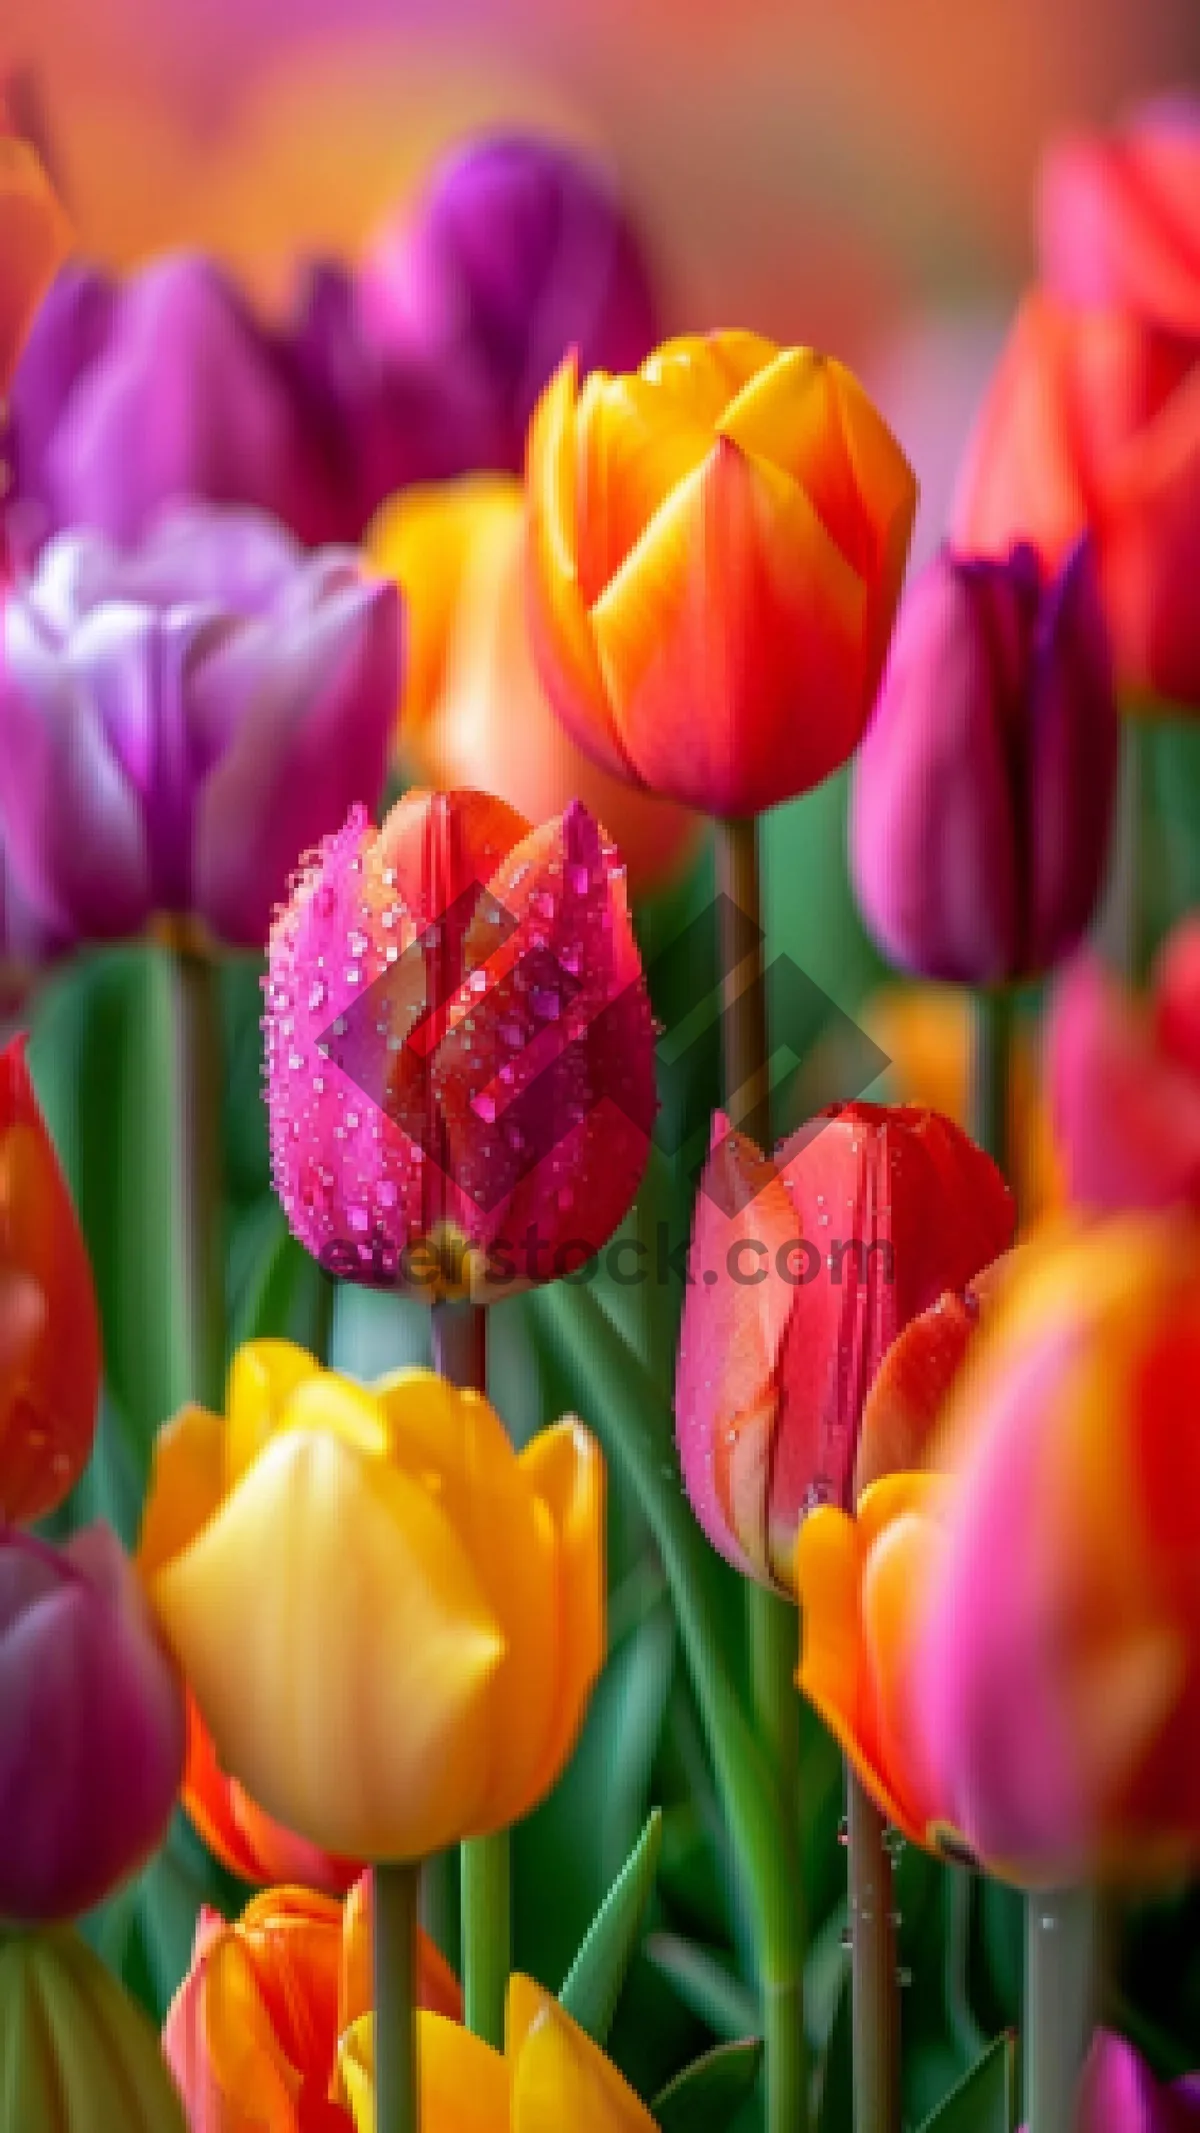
x,y
1057,1694
1092,424
91,1725
131,399
518,251
428,1684
983,794
180,721
1125,1081
861,1583
1118,2094
243,1838
34,238
459,1048
716,549
251,2035
473,710
77,2053
551,2074
1119,219
903,1409
49,1327
802,1272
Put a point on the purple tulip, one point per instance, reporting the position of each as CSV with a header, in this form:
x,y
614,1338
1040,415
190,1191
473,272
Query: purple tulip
x,y
130,398
181,721
1118,2094
91,1725
519,251
984,789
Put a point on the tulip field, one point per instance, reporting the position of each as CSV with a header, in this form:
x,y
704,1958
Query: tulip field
x,y
599,1182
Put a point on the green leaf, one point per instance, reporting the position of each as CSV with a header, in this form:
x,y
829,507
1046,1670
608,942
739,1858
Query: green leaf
x,y
593,1984
986,2102
704,1984
287,1296
707,2096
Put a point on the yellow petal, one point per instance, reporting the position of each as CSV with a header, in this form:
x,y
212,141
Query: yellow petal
x,y
339,1646
565,1468
459,1443
560,2079
187,1483
700,373
262,1378
464,2085
633,447
424,539
559,619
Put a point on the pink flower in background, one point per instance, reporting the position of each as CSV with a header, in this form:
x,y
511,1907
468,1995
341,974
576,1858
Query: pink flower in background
x,y
1125,1081
181,719
1119,216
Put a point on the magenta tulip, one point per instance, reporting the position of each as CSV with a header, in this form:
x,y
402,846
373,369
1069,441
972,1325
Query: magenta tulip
x,y
91,1725
984,789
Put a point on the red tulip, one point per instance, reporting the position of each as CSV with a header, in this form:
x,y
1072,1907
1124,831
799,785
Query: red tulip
x,y
803,1271
1119,216
1125,1081
49,1329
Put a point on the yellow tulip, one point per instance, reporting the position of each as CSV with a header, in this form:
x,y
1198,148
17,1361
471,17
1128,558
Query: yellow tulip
x,y
552,2078
473,710
716,547
390,1620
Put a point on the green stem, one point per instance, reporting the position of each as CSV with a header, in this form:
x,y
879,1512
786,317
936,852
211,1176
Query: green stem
x,y
487,1934
612,1388
991,1070
1060,1996
771,1621
198,1174
460,1354
1126,923
875,1989
394,1953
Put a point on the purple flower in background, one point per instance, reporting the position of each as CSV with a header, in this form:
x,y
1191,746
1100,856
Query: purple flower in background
x,y
91,1725
129,398
1118,2094
519,251
180,721
983,791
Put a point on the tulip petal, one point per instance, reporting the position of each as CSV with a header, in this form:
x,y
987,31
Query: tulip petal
x,y
34,239
733,602
187,1483
262,1378
373,1746
564,1467
464,2084
559,2077
560,624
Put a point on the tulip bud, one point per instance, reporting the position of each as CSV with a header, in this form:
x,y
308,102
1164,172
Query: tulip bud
x,y
717,544
91,1725
460,1069
477,1599
1118,2093
1119,216
802,1272
1057,1703
33,243
179,722
252,2034
983,792
49,1328
517,251
1125,1082
76,2053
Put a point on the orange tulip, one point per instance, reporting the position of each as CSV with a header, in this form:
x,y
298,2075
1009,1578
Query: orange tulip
x,y
242,1835
861,1582
717,544
49,1329
252,2033
474,711
34,240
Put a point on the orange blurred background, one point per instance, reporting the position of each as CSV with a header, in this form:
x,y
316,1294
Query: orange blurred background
x,y
858,174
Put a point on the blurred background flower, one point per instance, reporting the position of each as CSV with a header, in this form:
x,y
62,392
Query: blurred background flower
x,y
77,2052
